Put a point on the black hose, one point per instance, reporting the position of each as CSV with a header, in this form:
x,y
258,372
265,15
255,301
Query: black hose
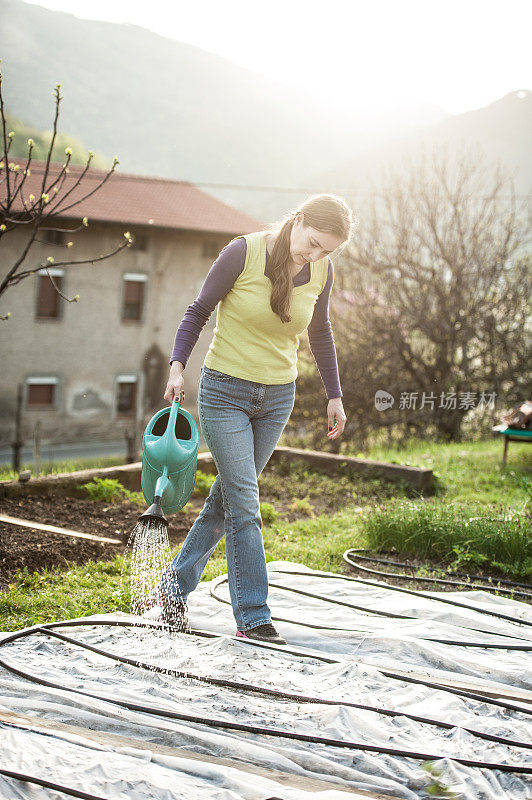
x,y
71,623
265,731
223,579
398,589
247,687
353,563
119,623
387,673
466,578
315,656
393,589
49,785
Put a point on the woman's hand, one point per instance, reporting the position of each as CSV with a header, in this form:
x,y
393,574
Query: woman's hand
x,y
336,417
174,387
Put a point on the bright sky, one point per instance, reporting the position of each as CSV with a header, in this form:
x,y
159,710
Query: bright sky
x,y
376,54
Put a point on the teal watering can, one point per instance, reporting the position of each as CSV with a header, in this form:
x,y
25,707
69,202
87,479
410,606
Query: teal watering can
x,y
169,460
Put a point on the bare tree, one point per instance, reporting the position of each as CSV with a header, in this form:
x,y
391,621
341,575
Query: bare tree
x,y
432,299
57,194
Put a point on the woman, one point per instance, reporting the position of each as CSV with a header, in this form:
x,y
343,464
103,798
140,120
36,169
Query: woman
x,y
271,286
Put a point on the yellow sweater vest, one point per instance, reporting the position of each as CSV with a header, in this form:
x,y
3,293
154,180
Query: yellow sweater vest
x,y
249,339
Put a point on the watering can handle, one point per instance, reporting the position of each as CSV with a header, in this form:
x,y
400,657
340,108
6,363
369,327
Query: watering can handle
x,y
174,411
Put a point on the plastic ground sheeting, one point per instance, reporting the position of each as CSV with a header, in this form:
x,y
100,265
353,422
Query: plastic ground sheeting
x,y
117,730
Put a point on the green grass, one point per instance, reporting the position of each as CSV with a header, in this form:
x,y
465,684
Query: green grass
x,y
303,483
111,490
95,587
462,535
303,506
268,513
470,482
203,484
58,467
469,471
319,542
73,465
34,598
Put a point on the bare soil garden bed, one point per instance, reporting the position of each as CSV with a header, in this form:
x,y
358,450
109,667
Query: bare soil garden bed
x,y
37,549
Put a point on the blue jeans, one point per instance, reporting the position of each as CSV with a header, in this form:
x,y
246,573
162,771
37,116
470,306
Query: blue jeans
x,y
241,422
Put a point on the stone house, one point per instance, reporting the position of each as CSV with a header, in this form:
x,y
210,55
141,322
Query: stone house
x,y
94,368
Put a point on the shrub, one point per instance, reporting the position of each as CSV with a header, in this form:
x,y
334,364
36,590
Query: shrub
x,y
111,490
268,513
303,506
203,483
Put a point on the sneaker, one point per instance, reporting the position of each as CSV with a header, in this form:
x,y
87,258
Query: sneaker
x,y
262,633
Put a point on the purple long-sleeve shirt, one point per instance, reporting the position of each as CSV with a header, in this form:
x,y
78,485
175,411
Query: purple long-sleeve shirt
x,y
218,283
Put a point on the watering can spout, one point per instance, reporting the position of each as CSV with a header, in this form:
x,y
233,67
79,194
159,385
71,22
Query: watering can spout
x,y
162,483
154,512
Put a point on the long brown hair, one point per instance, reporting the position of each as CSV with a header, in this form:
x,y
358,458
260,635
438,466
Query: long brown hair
x,y
327,213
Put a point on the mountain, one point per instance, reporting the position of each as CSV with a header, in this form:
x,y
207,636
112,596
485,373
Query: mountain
x,y
173,110
502,130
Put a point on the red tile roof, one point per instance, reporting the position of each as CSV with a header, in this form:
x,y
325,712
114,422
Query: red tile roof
x,y
136,200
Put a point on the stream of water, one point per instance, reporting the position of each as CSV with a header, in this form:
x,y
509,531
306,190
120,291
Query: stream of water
x,y
147,556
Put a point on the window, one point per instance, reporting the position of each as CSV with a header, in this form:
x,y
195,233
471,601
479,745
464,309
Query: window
x,y
211,249
48,301
126,394
41,392
53,236
134,291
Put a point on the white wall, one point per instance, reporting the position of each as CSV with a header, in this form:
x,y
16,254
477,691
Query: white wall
x,y
90,345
